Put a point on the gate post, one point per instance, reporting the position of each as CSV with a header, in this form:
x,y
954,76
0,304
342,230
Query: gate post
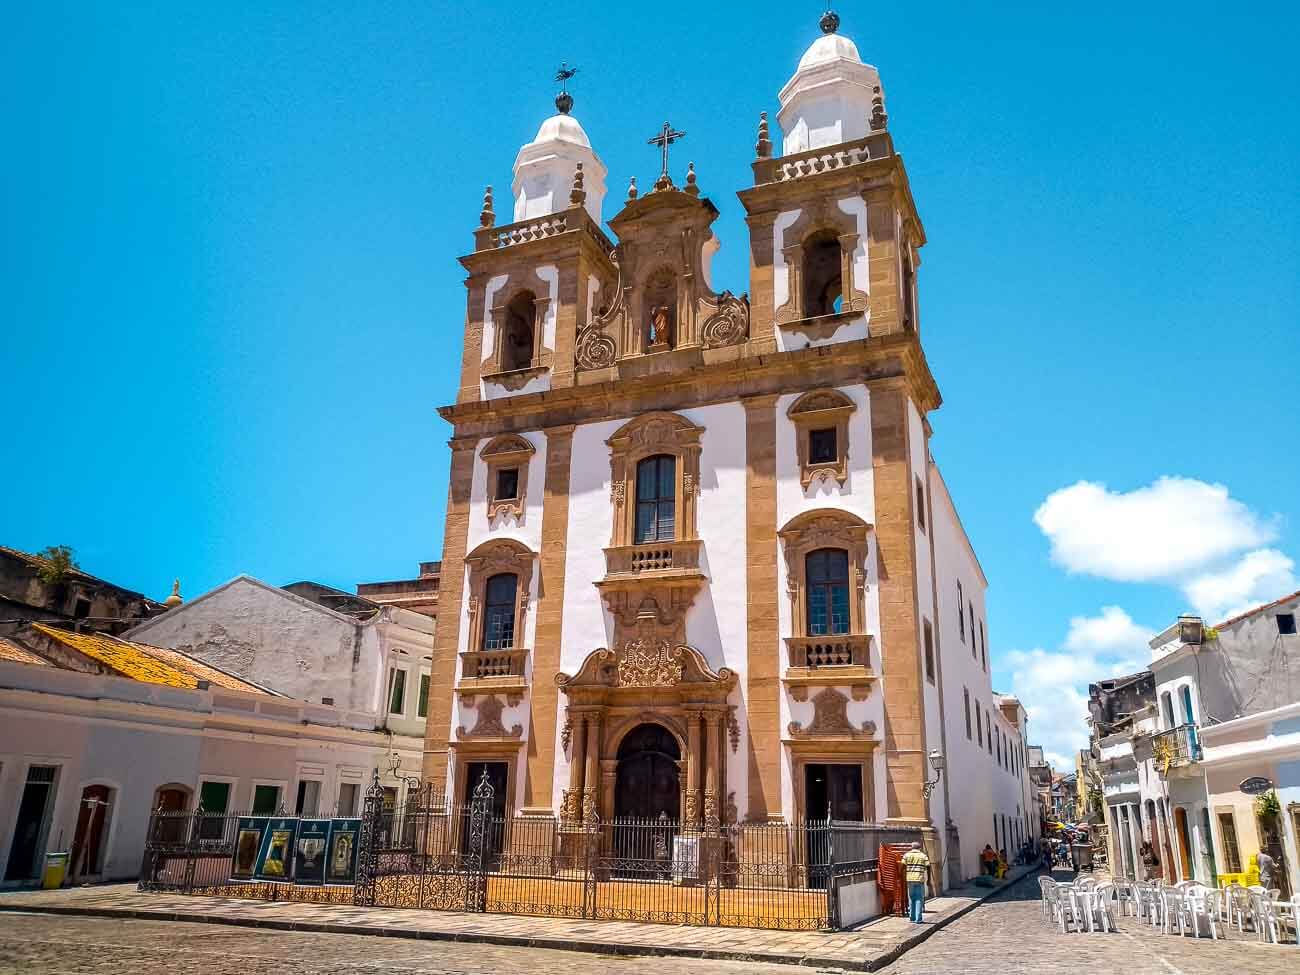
x,y
832,889
480,810
363,890
193,839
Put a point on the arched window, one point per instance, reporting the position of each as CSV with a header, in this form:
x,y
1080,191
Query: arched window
x,y
499,611
823,287
656,493
518,337
1167,706
827,572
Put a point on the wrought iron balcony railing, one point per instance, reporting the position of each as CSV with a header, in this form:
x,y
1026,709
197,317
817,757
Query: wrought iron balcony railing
x,y
1175,748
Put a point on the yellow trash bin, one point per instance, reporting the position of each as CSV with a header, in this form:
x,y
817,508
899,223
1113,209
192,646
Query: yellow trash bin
x,y
56,865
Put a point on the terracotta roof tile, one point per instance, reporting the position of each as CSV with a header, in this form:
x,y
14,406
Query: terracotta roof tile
x,y
1258,609
139,661
13,652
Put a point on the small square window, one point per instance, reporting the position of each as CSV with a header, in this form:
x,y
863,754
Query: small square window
x,y
1286,623
507,484
822,446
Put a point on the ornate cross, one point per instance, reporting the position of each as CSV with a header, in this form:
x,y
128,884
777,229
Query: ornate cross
x,y
663,140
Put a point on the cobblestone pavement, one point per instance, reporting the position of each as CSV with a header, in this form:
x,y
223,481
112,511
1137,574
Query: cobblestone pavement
x,y
39,944
1009,935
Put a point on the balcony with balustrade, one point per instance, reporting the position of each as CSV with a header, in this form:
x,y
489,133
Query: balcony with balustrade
x,y
498,671
841,660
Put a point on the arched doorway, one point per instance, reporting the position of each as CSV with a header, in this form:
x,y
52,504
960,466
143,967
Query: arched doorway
x,y
648,784
170,803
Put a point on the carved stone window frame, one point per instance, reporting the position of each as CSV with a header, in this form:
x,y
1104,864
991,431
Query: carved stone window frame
x,y
502,453
821,409
819,217
494,557
646,436
826,528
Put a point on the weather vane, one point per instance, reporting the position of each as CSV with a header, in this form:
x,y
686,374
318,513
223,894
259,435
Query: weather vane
x,y
663,140
564,101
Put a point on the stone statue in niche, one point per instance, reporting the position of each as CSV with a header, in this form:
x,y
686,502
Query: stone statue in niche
x,y
660,339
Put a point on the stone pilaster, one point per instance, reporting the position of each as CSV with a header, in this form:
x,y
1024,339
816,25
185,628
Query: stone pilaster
x,y
762,676
902,669
442,679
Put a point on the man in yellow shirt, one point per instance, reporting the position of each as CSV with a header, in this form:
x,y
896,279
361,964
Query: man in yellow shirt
x,y
916,867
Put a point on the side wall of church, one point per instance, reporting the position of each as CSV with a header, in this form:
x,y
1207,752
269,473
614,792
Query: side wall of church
x,y
970,768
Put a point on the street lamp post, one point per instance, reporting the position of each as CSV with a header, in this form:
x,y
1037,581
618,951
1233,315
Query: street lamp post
x,y
937,762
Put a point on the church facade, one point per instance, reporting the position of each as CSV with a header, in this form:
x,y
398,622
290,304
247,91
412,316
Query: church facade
x,y
699,562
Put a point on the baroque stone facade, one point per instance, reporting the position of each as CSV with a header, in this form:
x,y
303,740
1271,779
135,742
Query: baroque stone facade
x,y
721,567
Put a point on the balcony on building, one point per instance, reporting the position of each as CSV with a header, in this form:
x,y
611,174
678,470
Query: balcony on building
x,y
493,671
1176,748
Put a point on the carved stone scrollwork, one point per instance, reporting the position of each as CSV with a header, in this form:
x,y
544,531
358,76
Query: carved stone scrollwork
x,y
692,807
733,730
489,723
730,814
566,733
649,663
569,806
710,810
729,325
589,807
830,719
594,349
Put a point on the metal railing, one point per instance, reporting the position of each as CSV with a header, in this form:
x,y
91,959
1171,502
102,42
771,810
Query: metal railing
x,y
1175,748
428,853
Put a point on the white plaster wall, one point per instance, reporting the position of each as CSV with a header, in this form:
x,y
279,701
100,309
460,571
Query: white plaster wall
x,y
970,767
526,530
857,496
277,640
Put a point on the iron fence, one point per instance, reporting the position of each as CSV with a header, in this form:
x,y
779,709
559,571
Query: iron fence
x,y
429,853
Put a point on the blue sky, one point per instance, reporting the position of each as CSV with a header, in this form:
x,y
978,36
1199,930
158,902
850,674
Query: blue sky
x,y
232,302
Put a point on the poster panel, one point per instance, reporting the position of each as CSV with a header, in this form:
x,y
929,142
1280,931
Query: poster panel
x,y
341,862
309,851
248,843
275,861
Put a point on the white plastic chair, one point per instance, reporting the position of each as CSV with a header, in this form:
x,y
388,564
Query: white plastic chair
x,y
1238,903
1206,909
1175,910
1267,922
1098,901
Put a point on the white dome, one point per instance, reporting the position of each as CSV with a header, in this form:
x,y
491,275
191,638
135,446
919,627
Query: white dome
x,y
543,174
829,47
828,100
562,128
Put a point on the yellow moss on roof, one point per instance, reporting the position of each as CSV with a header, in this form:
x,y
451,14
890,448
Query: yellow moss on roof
x,y
17,654
139,661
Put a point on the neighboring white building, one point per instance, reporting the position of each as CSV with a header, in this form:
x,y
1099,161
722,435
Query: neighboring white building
x,y
96,732
360,655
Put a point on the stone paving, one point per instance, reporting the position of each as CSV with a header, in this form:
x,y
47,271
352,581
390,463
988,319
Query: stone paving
x,y
865,948
1009,935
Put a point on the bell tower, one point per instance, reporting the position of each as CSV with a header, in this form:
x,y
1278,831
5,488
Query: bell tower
x,y
533,280
834,232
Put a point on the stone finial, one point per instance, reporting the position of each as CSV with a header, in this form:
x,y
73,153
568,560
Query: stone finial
x,y
763,148
175,598
878,117
830,22
486,217
631,189
691,186
564,103
578,195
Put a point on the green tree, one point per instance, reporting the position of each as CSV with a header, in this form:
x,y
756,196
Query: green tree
x,y
59,562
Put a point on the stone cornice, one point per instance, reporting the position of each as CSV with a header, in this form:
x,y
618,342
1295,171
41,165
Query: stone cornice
x,y
898,357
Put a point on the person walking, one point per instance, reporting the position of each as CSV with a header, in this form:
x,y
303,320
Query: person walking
x,y
917,870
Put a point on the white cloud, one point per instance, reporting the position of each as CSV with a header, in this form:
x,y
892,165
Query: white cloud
x,y
1053,685
1114,629
1156,533
1258,577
